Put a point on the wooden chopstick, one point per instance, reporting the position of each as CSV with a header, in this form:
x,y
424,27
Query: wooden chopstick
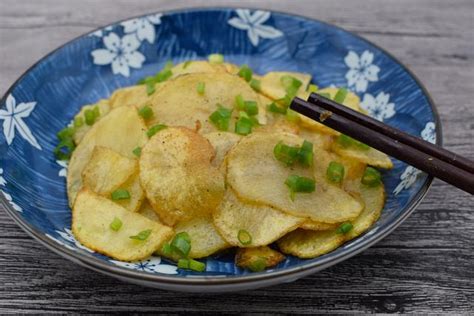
x,y
373,124
391,145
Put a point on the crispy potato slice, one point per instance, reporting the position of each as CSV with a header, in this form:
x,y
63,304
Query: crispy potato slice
x,y
178,177
310,244
320,140
104,108
258,258
264,223
313,225
130,96
147,210
231,68
222,143
107,170
91,219
178,103
137,195
122,130
369,156
271,86
197,66
256,176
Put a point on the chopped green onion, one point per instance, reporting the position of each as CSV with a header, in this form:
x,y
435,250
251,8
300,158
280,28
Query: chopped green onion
x,y
285,101
201,86
325,95
120,194
197,266
216,58
166,249
371,177
246,73
251,107
244,237
291,84
340,95
163,75
255,84
220,118
146,112
143,235
335,172
272,107
187,63
150,88
96,111
286,154
155,129
312,88
78,122
183,263
90,116
66,133
305,154
64,149
258,265
243,126
181,244
116,224
346,141
344,228
137,151
299,184
292,116
239,102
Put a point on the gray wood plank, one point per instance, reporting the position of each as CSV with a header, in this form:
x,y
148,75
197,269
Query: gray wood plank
x,y
424,266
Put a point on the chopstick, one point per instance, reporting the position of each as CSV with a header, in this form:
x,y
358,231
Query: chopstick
x,y
427,157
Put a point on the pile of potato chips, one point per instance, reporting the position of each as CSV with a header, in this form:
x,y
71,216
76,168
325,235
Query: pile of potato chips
x,y
138,178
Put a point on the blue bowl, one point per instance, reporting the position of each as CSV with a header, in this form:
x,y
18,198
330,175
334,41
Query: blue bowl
x,y
92,66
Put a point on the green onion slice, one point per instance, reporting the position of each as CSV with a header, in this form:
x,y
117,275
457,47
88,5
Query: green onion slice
x,y
220,118
187,63
335,172
90,116
155,129
371,177
239,102
256,85
66,133
340,95
64,149
305,154
292,116
286,154
201,86
78,122
197,266
163,75
251,107
150,88
246,73
258,265
166,249
137,151
216,58
143,235
344,228
183,263
181,244
272,107
116,224
299,184
243,126
312,88
291,84
244,237
146,112
120,194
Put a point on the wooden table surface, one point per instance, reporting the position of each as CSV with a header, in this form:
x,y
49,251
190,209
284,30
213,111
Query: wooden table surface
x,y
426,265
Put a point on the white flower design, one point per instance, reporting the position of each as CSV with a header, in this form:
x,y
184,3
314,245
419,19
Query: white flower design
x,y
144,28
63,171
68,239
361,70
429,132
9,198
152,265
2,179
378,107
120,52
101,32
13,117
253,24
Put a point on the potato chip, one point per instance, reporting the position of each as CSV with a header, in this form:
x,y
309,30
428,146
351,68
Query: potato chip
x,y
313,225
137,195
197,66
256,176
257,259
264,223
222,143
107,170
272,87
178,177
92,217
80,131
369,156
130,96
147,210
178,103
122,130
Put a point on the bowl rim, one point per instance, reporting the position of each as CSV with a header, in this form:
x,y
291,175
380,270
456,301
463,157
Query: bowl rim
x,y
99,265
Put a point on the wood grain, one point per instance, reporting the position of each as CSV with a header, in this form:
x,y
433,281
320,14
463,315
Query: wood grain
x,y
425,266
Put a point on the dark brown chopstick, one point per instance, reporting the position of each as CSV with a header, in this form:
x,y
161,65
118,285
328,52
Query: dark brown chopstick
x,y
373,124
459,177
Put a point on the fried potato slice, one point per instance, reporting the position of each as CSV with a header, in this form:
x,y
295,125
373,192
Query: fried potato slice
x,y
122,130
137,195
104,108
177,175
147,210
130,96
257,259
256,176
272,87
369,156
92,215
264,223
313,225
197,66
222,143
107,170
310,244
178,103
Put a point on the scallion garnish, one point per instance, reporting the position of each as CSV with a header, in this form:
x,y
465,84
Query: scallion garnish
x,y
305,154
346,141
137,151
116,224
285,101
292,116
286,154
371,177
251,107
191,264
340,95
344,228
291,84
183,263
243,126
246,73
216,58
89,116
239,102
143,235
166,249
201,86
146,112
335,172
163,75
78,122
181,244
258,265
155,129
272,107
96,111
312,88
298,184
64,149
150,88
120,194
187,63
220,118
66,133
244,237
255,84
